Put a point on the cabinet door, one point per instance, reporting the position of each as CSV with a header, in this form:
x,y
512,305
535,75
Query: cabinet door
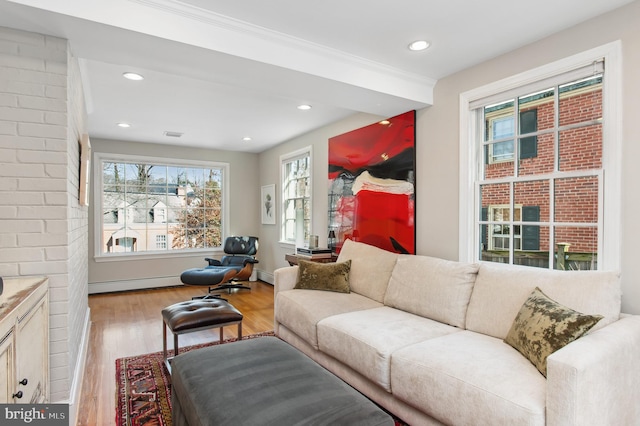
x,y
32,354
7,368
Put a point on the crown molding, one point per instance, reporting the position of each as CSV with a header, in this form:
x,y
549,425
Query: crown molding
x,y
227,23
320,60
177,21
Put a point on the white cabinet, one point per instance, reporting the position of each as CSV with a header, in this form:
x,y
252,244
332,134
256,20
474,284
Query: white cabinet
x,y
7,369
24,341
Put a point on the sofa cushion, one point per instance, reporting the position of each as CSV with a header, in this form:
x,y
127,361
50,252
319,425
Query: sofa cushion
x,y
468,378
323,276
366,340
370,268
500,290
433,288
543,326
301,310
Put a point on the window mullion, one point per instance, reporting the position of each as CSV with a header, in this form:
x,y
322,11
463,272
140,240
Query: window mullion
x,y
552,226
511,226
516,137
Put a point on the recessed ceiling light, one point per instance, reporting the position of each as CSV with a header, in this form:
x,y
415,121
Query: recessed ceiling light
x,y
385,122
304,107
246,138
124,125
133,76
419,45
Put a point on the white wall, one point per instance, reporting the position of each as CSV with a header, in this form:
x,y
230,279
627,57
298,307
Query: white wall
x,y
437,170
42,227
244,217
438,136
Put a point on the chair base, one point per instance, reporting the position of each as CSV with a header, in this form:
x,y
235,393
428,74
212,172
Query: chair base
x,y
209,296
229,286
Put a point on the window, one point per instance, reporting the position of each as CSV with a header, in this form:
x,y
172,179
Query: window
x,y
500,125
500,128
547,209
500,234
154,206
161,242
296,196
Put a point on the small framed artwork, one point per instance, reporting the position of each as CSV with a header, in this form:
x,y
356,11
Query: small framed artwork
x,y
85,168
268,204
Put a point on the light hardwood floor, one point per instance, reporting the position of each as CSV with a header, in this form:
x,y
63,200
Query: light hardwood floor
x,y
130,323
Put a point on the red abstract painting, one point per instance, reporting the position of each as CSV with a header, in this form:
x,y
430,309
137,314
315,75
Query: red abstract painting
x,y
372,185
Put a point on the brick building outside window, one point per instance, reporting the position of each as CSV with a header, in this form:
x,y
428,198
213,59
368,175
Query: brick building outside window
x,y
544,209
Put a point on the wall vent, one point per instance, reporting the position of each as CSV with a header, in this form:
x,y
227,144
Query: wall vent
x,y
173,134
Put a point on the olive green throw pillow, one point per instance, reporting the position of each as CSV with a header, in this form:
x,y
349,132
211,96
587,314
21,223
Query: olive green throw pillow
x,y
324,276
543,326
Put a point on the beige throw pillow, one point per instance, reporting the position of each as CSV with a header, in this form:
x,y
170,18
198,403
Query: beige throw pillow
x,y
543,326
433,288
323,276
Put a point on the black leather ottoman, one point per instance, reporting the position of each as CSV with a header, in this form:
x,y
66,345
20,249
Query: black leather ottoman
x,y
195,315
263,381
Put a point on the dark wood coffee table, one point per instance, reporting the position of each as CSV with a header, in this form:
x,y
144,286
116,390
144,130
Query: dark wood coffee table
x,y
264,381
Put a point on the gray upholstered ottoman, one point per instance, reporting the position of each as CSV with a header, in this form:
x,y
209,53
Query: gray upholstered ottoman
x,y
263,381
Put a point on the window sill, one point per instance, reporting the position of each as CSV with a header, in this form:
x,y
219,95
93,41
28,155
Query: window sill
x,y
155,255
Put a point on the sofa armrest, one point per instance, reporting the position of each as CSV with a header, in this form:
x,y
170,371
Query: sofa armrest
x,y
596,379
285,278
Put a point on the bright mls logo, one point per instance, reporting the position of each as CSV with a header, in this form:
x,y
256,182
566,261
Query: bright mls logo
x,y
36,414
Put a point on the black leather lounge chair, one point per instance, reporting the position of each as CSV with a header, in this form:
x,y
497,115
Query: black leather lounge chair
x,y
224,274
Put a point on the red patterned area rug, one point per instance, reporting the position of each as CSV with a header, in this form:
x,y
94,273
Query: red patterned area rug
x,y
144,387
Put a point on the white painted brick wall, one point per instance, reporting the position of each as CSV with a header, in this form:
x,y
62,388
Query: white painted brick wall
x,y
77,219
43,230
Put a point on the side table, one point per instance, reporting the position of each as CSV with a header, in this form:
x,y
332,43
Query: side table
x,y
293,259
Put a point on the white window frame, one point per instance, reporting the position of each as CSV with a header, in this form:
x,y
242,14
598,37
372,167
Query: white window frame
x,y
99,158
284,159
609,247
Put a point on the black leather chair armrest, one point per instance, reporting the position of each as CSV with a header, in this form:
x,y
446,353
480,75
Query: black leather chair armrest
x,y
250,260
213,262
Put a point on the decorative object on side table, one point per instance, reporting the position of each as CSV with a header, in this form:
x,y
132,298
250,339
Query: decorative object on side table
x,y
293,259
313,253
331,240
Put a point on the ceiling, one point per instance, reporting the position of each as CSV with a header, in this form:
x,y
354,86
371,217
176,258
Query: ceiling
x,y
218,71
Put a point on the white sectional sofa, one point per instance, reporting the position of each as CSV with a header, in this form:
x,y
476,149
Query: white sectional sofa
x,y
423,338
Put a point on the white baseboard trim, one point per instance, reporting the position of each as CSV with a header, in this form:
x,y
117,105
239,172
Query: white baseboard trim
x,y
111,286
78,373
266,277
